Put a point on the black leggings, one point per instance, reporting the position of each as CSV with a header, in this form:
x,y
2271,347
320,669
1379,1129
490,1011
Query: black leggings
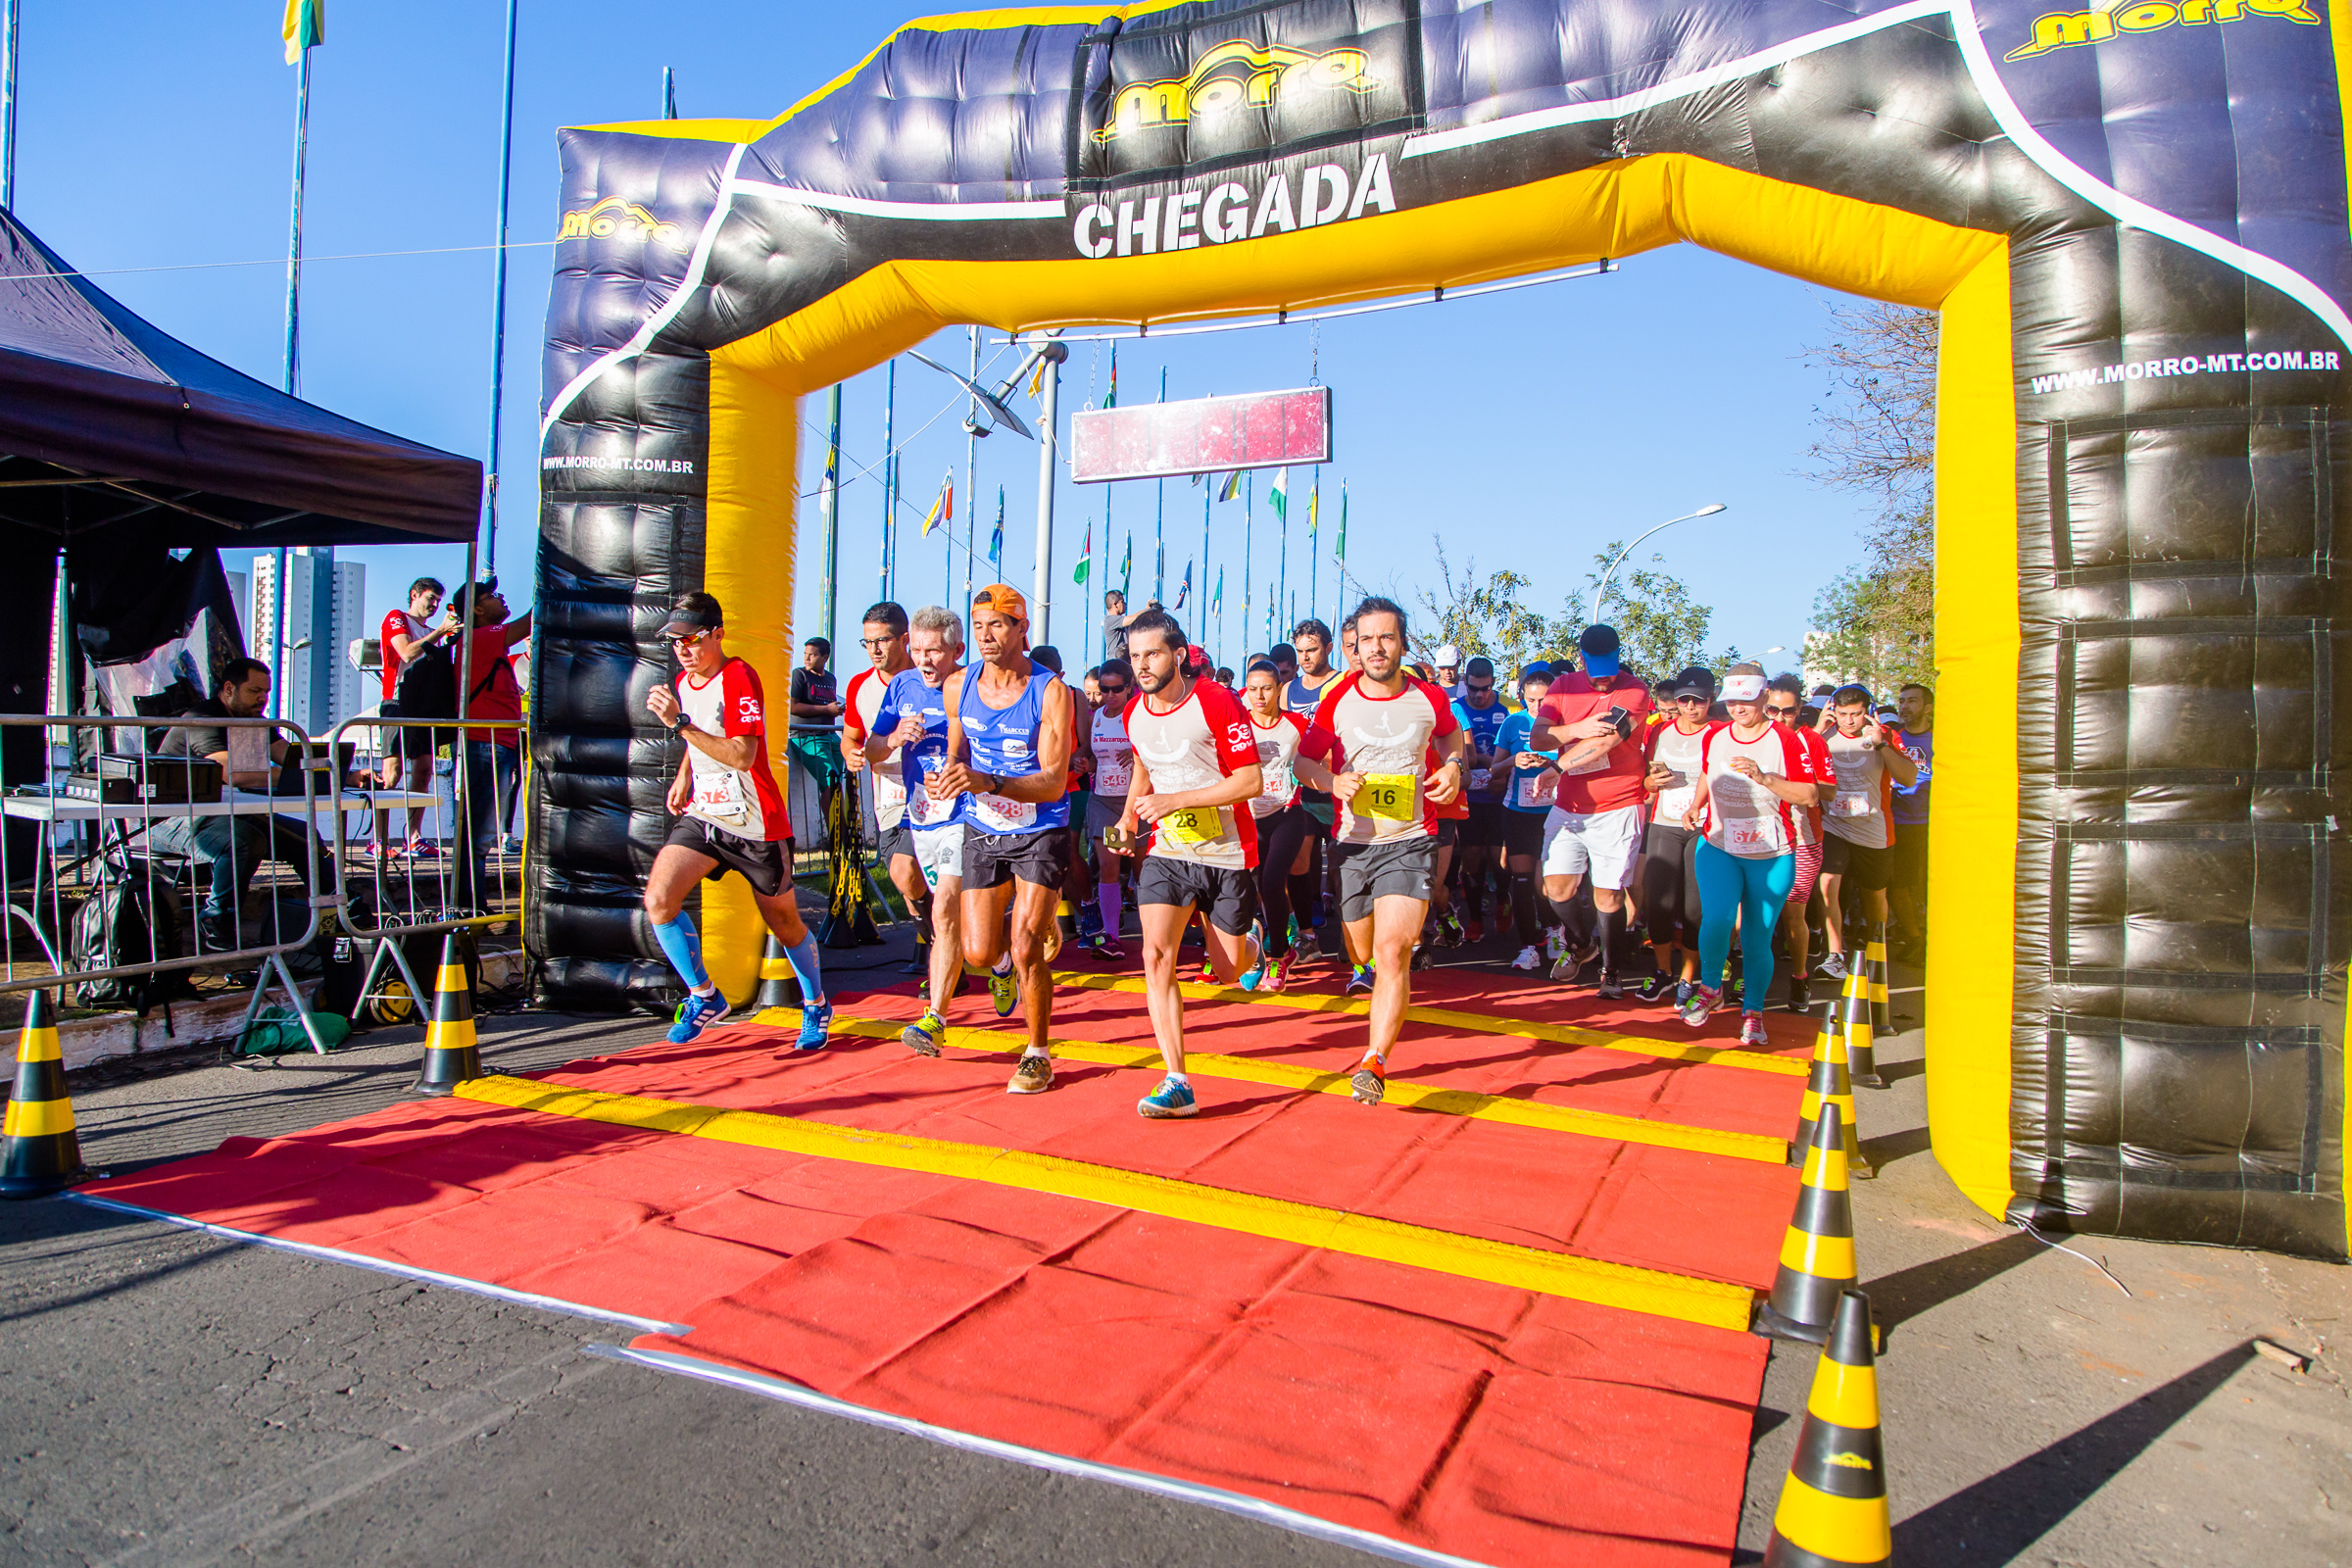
x,y
1278,838
1670,886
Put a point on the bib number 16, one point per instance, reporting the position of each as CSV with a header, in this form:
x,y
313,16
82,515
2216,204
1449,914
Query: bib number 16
x,y
1388,794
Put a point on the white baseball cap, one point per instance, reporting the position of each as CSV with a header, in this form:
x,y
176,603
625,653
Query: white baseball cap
x,y
1449,657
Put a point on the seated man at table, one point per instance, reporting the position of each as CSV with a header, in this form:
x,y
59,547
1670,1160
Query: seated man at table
x,y
235,845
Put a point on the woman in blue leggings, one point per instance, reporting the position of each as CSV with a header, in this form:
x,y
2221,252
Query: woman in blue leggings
x,y
1752,774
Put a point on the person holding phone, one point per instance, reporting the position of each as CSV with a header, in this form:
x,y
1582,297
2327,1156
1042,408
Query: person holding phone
x,y
1670,896
1859,823
1526,802
1595,824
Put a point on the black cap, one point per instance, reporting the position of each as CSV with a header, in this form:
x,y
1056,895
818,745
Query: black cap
x,y
1480,665
1600,639
692,612
1698,679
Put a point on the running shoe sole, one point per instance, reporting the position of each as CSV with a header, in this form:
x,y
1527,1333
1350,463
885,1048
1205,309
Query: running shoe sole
x,y
1153,1110
918,1040
1367,1085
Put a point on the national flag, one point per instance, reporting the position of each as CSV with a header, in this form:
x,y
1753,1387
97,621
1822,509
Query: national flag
x,y
1037,378
1110,399
1342,547
1216,601
305,28
1314,500
1086,556
1127,565
1233,486
1279,494
943,509
996,540
1185,587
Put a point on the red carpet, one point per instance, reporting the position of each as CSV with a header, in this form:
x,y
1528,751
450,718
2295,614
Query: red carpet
x,y
1456,1414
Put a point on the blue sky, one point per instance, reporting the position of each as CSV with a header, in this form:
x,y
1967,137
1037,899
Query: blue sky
x,y
1525,428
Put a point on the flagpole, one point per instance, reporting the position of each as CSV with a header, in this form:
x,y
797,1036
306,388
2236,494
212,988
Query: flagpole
x,y
890,467
498,296
1159,520
291,373
1248,527
1315,546
9,37
831,494
1041,603
971,483
1283,573
1209,498
670,82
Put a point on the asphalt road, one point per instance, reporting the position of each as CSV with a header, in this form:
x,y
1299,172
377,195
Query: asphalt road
x,y
167,1397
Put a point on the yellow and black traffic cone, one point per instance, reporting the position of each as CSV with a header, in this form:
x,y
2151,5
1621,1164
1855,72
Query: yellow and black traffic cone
x,y
38,1152
779,987
1882,1013
1827,1085
1832,1511
450,1053
1861,1061
1817,1256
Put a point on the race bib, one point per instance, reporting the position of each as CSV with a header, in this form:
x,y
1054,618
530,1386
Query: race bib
x,y
718,797
997,814
1750,837
1530,791
1394,795
1480,778
1198,824
1114,771
1280,781
888,793
1597,765
1855,804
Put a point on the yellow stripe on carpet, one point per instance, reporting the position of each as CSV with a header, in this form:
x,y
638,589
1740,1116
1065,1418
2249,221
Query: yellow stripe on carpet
x,y
1477,1022
1310,1080
1708,1303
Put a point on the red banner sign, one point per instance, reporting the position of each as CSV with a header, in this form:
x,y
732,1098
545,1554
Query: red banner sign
x,y
1201,435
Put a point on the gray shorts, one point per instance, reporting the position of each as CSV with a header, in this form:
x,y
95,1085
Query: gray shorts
x,y
1103,811
896,841
1401,866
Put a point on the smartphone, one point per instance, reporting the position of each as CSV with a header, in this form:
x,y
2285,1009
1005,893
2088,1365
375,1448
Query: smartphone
x,y
1622,720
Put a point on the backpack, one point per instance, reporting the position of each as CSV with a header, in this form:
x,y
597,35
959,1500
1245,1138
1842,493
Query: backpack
x,y
428,687
120,924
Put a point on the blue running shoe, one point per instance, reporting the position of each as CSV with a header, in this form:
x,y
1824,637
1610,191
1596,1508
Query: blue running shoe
x,y
816,1027
696,1014
1005,991
1173,1098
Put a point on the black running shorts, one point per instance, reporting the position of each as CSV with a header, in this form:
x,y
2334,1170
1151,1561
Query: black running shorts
x,y
1042,858
1403,867
1226,893
1865,870
759,861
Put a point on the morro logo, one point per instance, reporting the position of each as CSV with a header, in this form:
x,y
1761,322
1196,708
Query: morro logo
x,y
615,219
1234,74
2069,29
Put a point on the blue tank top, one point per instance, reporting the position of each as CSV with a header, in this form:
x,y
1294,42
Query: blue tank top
x,y
1004,743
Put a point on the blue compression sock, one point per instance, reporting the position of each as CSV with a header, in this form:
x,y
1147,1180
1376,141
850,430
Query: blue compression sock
x,y
806,969
684,950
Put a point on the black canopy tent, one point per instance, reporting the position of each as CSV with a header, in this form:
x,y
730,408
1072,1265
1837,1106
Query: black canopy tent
x,y
103,417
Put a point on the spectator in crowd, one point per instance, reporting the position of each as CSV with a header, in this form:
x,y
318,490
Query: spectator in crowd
x,y
812,737
234,847
492,758
1115,621
1915,706
407,751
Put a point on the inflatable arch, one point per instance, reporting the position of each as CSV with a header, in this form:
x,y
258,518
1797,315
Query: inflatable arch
x,y
2131,216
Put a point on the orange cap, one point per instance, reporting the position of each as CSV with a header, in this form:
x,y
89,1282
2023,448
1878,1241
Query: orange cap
x,y
1006,599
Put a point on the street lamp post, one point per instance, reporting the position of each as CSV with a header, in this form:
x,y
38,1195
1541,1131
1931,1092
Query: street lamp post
x,y
1707,511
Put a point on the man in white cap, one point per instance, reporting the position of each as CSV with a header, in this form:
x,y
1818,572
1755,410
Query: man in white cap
x,y
1449,674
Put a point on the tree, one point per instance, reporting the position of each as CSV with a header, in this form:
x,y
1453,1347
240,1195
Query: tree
x,y
1661,630
1482,619
1875,622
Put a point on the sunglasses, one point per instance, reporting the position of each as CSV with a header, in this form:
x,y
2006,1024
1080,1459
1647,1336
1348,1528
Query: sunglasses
x,y
684,643
1477,687
1780,712
1115,689
1690,698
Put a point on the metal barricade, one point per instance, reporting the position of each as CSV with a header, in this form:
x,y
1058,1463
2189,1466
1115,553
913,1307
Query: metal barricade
x,y
455,866
117,827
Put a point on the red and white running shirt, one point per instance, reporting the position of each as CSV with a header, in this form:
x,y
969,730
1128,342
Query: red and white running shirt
x,y
1114,754
1280,745
1817,752
860,705
1743,816
397,623
1386,741
741,799
1665,744
1190,747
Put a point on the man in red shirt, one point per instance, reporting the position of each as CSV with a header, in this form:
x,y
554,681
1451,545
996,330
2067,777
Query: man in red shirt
x,y
1595,824
493,757
405,634
884,639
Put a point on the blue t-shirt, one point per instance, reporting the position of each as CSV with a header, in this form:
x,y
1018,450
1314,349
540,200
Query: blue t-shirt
x,y
909,693
1911,803
1510,740
1482,727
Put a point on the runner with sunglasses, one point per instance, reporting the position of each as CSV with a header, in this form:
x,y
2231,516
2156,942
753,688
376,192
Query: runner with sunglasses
x,y
1482,712
1858,844
1287,752
1784,700
1670,896
1533,777
730,819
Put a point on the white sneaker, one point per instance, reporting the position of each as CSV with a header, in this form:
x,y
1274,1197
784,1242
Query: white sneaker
x,y
1528,959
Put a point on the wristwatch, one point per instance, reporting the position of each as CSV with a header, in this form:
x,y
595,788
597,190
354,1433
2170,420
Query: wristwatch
x,y
677,726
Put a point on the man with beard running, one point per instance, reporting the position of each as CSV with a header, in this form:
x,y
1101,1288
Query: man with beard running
x,y
1403,760
912,723
1196,770
884,640
1010,728
1595,824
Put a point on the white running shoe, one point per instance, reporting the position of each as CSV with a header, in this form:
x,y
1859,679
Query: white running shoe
x,y
1528,959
